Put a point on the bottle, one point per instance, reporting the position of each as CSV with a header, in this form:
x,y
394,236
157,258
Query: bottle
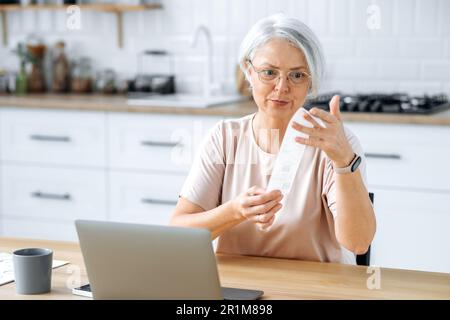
x,y
21,79
36,80
61,71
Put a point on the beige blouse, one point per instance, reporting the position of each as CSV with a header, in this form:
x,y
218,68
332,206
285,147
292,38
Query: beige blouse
x,y
229,162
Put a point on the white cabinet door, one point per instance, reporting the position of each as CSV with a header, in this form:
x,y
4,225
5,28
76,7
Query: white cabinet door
x,y
53,137
407,156
155,142
407,167
50,195
412,230
143,198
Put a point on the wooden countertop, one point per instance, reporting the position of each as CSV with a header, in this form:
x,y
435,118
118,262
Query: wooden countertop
x,y
117,103
278,278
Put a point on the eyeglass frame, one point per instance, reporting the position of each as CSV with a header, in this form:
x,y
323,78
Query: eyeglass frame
x,y
275,80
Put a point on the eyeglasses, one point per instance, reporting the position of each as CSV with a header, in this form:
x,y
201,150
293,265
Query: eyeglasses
x,y
269,75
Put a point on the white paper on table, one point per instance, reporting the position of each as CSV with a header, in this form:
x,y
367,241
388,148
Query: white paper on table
x,y
7,269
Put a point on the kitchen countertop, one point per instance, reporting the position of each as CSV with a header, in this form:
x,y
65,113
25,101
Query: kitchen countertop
x,y
118,103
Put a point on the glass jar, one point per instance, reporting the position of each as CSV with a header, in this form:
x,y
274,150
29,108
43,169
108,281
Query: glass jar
x,y
82,76
106,81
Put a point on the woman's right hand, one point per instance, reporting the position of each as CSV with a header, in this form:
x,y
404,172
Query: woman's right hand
x,y
258,206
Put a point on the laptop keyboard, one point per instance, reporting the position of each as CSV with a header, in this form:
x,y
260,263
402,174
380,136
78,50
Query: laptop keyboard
x,y
227,293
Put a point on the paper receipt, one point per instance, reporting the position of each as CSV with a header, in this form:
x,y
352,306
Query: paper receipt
x,y
290,155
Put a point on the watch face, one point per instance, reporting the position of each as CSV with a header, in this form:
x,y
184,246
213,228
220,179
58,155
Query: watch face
x,y
356,164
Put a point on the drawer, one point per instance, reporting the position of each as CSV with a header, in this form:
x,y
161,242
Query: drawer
x,y
53,137
155,142
45,230
412,230
143,198
51,194
406,156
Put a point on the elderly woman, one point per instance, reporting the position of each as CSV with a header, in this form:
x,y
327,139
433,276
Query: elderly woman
x,y
327,215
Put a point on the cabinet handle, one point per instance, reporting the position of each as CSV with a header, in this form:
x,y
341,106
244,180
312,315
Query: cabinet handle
x,y
41,137
150,143
52,196
158,201
383,155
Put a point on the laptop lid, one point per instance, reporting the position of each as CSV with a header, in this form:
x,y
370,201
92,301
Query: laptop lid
x,y
133,261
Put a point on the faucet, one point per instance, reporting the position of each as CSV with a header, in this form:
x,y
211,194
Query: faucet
x,y
207,78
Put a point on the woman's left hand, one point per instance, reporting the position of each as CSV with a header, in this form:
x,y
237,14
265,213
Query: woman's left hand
x,y
331,139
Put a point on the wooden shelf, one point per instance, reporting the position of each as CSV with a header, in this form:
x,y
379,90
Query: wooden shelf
x,y
91,7
118,9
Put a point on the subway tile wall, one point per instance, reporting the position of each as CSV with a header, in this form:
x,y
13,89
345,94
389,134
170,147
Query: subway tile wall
x,y
410,51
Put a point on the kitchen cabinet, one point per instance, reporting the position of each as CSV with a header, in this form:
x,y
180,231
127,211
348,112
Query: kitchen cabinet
x,y
407,168
143,197
406,156
130,167
35,195
149,157
57,166
412,230
158,143
53,137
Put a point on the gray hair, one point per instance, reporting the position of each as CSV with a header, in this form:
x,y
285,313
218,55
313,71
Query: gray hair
x,y
294,31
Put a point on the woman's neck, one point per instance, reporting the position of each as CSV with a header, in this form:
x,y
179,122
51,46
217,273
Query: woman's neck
x,y
269,132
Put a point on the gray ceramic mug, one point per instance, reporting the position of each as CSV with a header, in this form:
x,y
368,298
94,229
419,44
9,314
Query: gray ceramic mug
x,y
33,270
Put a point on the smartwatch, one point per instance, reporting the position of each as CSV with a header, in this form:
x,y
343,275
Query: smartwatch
x,y
352,167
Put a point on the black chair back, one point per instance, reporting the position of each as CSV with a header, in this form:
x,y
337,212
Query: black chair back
x,y
364,259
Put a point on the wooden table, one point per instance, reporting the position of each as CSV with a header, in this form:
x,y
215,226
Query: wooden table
x,y
279,278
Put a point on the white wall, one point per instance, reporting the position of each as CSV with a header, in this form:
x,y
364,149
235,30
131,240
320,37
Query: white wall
x,y
410,52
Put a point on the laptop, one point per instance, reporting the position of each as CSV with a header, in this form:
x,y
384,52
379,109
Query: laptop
x,y
137,261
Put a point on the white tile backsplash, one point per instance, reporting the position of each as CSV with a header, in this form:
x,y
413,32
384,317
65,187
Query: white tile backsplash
x,y
371,86
403,23
410,51
318,16
421,87
421,48
338,47
351,69
447,49
436,70
339,18
444,21
377,48
220,22
398,69
446,87
426,17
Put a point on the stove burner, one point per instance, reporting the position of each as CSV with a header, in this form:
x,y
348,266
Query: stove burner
x,y
384,103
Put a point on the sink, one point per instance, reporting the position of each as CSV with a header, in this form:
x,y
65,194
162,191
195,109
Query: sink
x,y
184,100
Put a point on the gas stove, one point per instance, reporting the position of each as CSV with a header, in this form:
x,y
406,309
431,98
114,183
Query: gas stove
x,y
384,103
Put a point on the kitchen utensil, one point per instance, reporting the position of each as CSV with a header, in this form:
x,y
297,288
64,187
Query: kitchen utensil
x,y
161,82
